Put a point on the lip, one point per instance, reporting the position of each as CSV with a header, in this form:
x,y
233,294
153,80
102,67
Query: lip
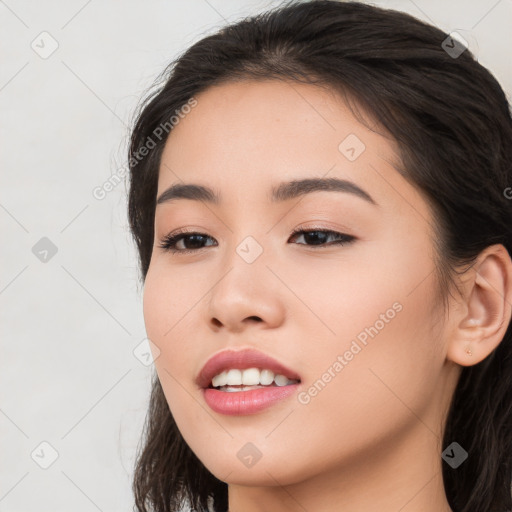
x,y
241,403
241,359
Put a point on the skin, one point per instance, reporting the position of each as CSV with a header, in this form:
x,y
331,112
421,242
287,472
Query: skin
x,y
372,436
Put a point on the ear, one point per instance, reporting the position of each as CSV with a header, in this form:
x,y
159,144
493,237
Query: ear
x,y
488,308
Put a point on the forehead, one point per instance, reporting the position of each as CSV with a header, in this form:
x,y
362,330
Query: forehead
x,y
243,138
239,123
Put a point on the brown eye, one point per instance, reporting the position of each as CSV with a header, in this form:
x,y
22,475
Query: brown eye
x,y
170,242
194,241
317,237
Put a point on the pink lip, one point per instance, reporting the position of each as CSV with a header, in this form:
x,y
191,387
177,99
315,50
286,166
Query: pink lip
x,y
241,359
241,403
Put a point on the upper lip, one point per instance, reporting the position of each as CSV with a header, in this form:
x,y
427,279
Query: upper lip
x,y
240,359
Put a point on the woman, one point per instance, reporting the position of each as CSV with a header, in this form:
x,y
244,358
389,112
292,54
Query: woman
x,y
325,241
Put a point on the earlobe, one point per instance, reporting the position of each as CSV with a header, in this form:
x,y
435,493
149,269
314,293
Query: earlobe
x,y
489,308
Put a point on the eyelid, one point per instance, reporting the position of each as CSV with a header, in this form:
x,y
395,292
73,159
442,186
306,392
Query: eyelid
x,y
300,227
168,242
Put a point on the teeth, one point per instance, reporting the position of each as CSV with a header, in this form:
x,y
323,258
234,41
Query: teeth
x,y
250,377
236,389
281,380
220,379
266,377
234,377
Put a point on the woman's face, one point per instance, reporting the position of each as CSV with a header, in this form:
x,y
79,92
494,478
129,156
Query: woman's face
x,y
359,322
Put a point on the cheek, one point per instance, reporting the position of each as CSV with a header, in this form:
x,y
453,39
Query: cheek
x,y
377,316
168,301
379,388
167,321
155,299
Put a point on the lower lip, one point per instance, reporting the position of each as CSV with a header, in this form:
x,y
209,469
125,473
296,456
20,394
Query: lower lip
x,y
239,403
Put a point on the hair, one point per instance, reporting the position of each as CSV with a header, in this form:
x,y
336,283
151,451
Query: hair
x,y
452,124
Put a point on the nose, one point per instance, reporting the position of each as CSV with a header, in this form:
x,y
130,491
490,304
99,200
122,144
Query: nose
x,y
247,293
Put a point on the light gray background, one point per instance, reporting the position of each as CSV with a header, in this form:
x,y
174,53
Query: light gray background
x,y
70,325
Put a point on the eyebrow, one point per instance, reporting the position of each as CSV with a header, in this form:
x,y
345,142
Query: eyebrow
x,y
283,192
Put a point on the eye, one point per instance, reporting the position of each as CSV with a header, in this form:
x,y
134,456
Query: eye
x,y
312,237
171,241
318,237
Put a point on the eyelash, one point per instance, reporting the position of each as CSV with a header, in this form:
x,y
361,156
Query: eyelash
x,y
168,242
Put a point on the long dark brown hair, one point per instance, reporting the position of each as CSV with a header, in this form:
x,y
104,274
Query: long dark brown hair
x,y
452,123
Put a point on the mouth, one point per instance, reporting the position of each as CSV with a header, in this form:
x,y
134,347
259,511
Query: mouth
x,y
236,380
243,382
244,370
